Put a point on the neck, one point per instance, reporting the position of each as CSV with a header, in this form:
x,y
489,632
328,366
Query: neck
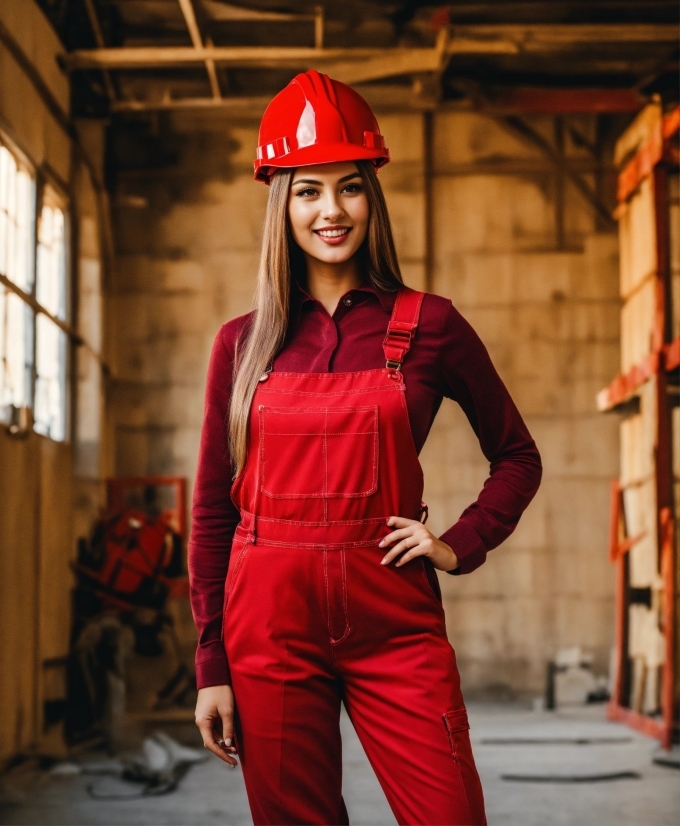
x,y
329,282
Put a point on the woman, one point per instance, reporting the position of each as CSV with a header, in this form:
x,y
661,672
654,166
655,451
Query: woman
x,y
318,402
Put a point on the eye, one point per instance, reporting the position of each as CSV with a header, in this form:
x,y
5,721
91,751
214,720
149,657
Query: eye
x,y
352,188
307,192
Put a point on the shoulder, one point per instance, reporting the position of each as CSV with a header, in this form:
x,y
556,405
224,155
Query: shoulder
x,y
232,331
438,315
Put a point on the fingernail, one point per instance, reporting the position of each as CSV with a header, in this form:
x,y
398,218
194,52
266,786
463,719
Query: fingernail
x,y
381,543
227,742
383,561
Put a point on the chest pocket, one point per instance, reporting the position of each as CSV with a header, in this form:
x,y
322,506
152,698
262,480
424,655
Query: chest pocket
x,y
318,453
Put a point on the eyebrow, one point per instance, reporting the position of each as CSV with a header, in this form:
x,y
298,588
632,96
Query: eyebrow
x,y
319,183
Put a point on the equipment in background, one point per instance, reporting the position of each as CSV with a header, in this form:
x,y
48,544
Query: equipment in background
x,y
125,571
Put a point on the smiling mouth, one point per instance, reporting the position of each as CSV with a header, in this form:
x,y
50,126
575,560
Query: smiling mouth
x,y
332,233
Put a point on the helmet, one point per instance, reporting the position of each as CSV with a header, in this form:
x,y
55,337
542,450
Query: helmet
x,y
317,120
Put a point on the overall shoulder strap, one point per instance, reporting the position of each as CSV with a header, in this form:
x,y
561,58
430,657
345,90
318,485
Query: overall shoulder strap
x,y
402,326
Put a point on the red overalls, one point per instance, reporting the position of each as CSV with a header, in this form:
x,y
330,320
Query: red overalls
x,y
312,619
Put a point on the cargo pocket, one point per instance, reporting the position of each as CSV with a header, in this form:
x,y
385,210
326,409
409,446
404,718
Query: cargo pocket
x,y
318,453
457,729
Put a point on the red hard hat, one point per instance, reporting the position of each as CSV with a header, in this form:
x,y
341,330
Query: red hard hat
x,y
317,120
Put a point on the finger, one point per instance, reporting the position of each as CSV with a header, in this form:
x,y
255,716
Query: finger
x,y
401,522
402,533
205,726
228,730
413,553
404,545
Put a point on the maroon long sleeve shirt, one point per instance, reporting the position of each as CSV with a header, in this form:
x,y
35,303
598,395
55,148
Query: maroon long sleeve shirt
x,y
447,358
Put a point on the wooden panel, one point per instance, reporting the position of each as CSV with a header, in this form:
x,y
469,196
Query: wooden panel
x,y
637,237
637,325
19,484
638,435
638,133
56,547
640,513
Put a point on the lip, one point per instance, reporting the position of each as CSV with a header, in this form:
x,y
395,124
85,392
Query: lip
x,y
335,240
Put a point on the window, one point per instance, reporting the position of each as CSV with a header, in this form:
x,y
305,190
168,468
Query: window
x,y
33,348
51,344
17,221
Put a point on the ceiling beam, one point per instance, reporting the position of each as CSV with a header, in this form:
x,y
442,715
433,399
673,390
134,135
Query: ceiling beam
x,y
546,36
189,15
265,56
491,39
99,40
254,104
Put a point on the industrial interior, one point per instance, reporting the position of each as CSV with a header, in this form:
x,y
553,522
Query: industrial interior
x,y
534,182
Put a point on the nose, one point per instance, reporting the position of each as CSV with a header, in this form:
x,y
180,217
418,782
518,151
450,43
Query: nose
x,y
331,208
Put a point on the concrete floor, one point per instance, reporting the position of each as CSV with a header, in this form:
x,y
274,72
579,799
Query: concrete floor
x,y
212,794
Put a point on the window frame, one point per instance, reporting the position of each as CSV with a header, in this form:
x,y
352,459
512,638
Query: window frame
x,y
44,179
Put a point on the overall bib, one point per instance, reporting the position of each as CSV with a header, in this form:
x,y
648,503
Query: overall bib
x,y
312,619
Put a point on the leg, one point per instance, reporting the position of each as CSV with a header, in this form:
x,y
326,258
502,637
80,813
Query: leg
x,y
287,697
422,758
402,693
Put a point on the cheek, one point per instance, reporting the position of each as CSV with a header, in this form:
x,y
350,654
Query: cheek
x,y
359,212
300,219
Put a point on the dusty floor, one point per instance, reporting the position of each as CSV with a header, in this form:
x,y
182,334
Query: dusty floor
x,y
212,794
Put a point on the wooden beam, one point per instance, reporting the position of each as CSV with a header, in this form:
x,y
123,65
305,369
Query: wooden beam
x,y
189,14
488,39
521,128
254,104
267,56
404,62
99,40
546,36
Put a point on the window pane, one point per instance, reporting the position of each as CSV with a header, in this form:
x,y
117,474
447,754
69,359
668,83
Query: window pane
x,y
17,199
49,410
51,270
16,352
50,388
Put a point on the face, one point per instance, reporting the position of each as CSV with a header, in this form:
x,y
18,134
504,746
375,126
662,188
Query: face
x,y
328,211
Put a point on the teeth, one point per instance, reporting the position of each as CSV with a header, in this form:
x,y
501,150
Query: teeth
x,y
332,233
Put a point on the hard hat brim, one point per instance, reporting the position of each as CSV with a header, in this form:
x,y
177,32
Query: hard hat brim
x,y
316,155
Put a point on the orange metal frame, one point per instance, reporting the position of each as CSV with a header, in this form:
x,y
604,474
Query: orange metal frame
x,y
653,158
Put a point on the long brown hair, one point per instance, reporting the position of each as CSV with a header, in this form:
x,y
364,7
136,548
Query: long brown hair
x,y
281,261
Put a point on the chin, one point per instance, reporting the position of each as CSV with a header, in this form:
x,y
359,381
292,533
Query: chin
x,y
332,256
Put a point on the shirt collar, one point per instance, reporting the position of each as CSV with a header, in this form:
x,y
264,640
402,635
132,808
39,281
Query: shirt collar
x,y
300,295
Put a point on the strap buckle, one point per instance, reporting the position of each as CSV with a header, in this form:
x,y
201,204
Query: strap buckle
x,y
391,364
399,332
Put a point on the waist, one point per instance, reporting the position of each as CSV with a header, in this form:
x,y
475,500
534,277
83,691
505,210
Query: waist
x,y
288,533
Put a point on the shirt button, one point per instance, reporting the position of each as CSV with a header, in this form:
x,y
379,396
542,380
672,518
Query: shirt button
x,y
347,301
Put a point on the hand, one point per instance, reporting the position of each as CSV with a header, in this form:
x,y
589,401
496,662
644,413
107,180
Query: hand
x,y
215,720
414,538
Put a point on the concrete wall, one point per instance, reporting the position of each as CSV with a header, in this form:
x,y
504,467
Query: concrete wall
x,y
49,492
188,233
549,318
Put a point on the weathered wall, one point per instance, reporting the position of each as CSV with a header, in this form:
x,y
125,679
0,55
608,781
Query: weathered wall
x,y
49,492
187,234
549,317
